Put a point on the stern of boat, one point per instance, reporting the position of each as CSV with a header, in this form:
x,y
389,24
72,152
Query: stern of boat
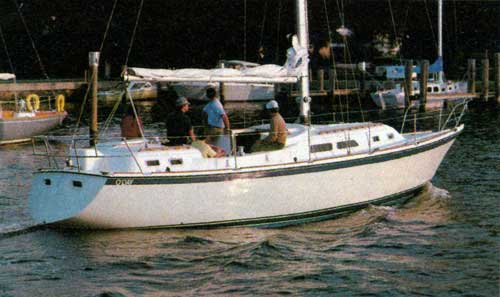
x,y
56,196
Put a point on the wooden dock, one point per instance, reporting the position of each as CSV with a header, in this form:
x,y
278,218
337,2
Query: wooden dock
x,y
45,87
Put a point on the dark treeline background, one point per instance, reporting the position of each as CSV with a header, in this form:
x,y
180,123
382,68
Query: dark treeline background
x,y
197,33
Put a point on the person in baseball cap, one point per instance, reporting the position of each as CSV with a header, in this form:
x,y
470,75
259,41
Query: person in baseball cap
x,y
179,127
181,101
277,133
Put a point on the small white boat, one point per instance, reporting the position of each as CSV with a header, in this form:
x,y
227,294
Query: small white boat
x,y
233,91
323,170
446,92
138,90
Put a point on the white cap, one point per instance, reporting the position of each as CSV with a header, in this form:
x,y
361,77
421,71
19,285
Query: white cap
x,y
272,104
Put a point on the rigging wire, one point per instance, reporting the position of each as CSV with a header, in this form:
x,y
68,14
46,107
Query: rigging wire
x,y
394,28
10,64
108,121
340,8
127,94
332,56
349,60
276,58
87,91
134,32
455,25
263,24
430,24
245,30
6,50
42,68
39,59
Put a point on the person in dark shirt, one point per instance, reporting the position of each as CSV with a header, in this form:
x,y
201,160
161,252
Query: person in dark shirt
x,y
179,128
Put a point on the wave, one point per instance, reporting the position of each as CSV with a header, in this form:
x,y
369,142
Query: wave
x,y
7,231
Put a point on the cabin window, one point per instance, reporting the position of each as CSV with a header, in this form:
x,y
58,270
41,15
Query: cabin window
x,y
176,161
77,183
346,144
390,135
376,138
449,88
153,162
429,89
323,147
436,89
48,182
443,89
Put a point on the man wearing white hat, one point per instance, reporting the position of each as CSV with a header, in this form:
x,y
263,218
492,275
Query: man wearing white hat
x,y
276,139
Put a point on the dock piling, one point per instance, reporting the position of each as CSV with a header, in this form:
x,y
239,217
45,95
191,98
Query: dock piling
x,y
321,78
424,78
497,77
471,75
486,79
408,81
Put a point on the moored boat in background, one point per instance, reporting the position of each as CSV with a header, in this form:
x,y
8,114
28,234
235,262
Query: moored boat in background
x,y
25,119
233,91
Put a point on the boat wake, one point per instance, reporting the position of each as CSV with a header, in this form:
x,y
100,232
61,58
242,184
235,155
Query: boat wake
x,y
10,230
430,206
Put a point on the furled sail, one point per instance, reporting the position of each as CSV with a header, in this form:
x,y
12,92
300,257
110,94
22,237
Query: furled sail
x,y
297,58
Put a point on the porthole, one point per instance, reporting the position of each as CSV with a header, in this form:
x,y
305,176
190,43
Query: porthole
x,y
346,144
153,162
323,147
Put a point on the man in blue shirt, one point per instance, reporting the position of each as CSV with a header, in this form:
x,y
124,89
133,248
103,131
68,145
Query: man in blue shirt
x,y
215,115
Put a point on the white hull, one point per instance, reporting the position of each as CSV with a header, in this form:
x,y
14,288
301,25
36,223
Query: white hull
x,y
277,195
395,98
21,129
233,92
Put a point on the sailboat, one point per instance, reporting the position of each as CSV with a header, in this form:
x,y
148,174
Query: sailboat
x,y
438,89
323,170
26,119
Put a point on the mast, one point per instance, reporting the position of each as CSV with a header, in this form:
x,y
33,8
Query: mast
x,y
303,36
440,36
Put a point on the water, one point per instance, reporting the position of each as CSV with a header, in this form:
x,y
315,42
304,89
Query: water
x,y
444,242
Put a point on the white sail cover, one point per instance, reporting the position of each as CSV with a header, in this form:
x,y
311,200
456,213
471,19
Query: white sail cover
x,y
264,73
7,76
297,59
